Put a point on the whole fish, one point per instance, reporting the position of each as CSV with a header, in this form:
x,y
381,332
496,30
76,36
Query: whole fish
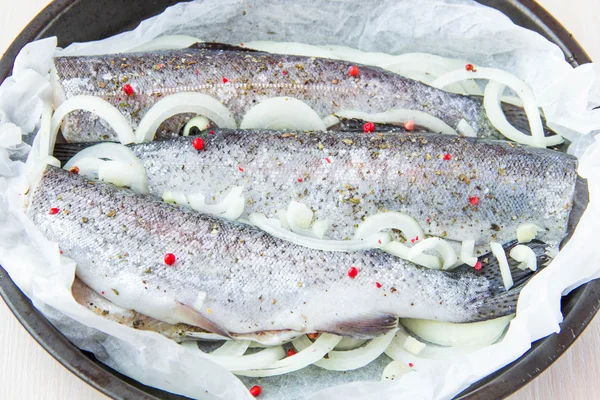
x,y
456,188
231,278
239,79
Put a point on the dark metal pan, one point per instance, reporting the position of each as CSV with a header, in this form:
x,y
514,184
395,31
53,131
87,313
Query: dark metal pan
x,y
85,20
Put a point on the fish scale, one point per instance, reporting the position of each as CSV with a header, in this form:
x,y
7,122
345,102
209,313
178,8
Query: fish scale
x,y
347,177
251,77
237,279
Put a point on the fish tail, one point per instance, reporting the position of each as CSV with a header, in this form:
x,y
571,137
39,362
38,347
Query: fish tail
x,y
501,302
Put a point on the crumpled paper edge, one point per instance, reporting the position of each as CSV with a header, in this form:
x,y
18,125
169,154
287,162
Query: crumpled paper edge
x,y
566,104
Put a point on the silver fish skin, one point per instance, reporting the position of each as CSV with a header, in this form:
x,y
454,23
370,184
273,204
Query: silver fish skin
x,y
231,278
240,80
99,305
346,177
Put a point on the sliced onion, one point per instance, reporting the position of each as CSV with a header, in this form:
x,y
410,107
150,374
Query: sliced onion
x,y
175,198
180,103
92,160
330,121
440,245
394,370
500,255
348,343
89,167
323,345
465,129
196,201
397,116
413,346
170,42
283,219
122,174
492,103
235,210
527,232
320,227
261,359
199,121
235,348
95,105
400,250
280,113
467,249
390,220
351,359
267,225
525,255
459,335
299,218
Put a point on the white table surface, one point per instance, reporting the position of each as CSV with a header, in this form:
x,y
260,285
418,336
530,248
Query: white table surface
x,y
28,372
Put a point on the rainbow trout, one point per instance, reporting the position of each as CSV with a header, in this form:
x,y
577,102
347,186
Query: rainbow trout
x,y
230,278
239,79
456,188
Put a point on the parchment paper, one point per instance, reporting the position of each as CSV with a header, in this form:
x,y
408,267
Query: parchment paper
x,y
452,28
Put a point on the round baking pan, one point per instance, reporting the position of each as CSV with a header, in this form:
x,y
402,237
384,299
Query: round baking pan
x,y
85,20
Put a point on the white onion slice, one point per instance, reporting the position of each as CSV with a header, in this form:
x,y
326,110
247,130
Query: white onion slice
x,y
179,103
330,121
261,359
391,220
500,255
525,255
348,343
197,201
440,245
299,218
352,359
280,113
492,103
92,159
199,121
467,249
400,250
235,348
413,346
420,118
526,232
122,174
458,335
95,105
323,345
169,42
394,370
371,242
465,129
320,227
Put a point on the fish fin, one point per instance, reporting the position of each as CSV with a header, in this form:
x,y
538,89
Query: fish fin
x,y
65,151
188,315
363,327
219,46
499,301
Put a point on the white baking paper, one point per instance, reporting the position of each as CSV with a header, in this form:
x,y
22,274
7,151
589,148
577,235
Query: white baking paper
x,y
452,28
